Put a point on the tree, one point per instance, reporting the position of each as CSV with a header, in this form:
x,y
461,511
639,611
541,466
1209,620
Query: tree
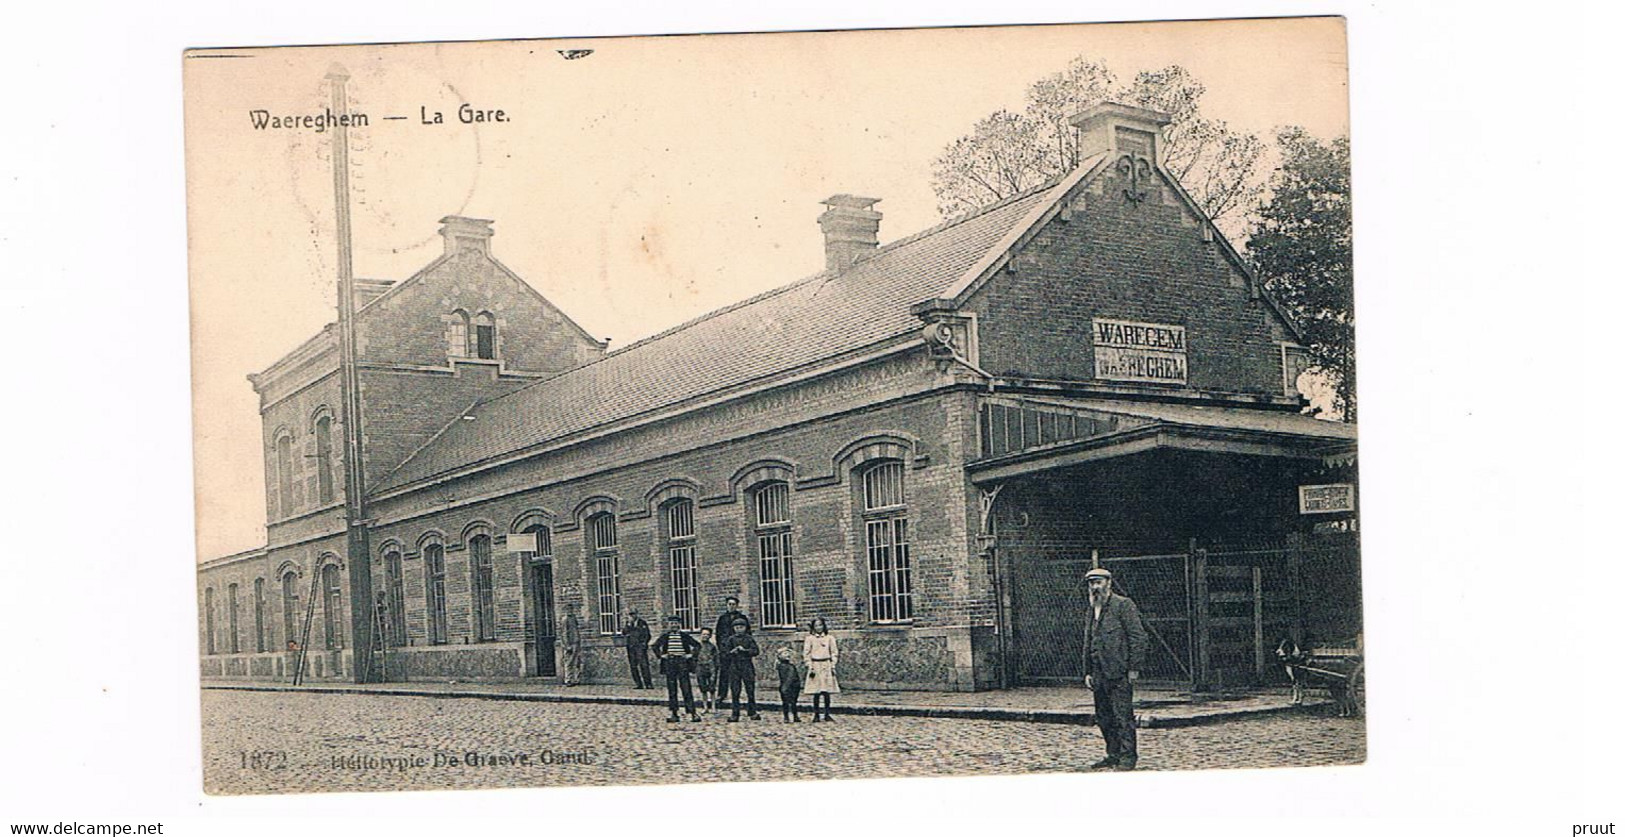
x,y
1302,249
1008,152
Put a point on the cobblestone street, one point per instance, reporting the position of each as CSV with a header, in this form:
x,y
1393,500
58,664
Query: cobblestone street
x,y
258,742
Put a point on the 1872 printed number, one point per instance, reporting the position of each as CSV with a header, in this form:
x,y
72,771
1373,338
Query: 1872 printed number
x,y
263,759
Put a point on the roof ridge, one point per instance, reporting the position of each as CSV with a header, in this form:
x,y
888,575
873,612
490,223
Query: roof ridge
x,y
976,212
651,338
805,280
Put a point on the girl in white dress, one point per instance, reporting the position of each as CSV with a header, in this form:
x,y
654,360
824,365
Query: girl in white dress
x,y
821,654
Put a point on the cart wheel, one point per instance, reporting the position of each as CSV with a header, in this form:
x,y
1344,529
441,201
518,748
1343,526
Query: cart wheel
x,y
1357,690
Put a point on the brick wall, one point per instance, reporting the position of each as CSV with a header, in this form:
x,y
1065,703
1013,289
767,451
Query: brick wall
x,y
274,662
1144,262
410,387
829,559
407,326
296,414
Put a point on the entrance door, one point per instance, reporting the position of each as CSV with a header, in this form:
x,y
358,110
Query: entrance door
x,y
546,621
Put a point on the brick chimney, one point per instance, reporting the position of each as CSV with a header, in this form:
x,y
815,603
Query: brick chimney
x,y
1120,129
851,230
464,234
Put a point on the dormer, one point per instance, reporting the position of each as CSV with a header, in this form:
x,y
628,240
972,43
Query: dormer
x,y
1119,130
466,235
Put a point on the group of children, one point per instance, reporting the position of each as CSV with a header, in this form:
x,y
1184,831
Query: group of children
x,y
722,661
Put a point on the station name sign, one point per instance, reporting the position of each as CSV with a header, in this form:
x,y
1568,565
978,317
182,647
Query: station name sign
x,y
1326,499
1131,351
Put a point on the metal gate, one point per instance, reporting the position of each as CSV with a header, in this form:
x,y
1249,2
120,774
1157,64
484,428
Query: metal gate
x,y
1050,608
1214,617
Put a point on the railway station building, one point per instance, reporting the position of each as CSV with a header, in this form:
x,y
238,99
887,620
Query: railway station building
x,y
927,443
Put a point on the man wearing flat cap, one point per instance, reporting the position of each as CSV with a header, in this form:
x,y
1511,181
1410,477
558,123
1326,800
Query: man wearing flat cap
x,y
1115,641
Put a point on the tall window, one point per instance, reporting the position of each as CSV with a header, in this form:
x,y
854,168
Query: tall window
x,y
324,459
208,620
332,608
885,526
479,569
457,335
284,474
773,554
290,607
607,559
395,598
434,573
231,619
484,342
543,538
259,615
685,592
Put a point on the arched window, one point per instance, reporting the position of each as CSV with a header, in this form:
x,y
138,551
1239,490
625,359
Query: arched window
x,y
607,561
232,641
324,458
770,518
395,598
332,607
457,335
434,574
290,609
483,342
284,474
259,615
678,523
542,537
208,620
885,533
484,596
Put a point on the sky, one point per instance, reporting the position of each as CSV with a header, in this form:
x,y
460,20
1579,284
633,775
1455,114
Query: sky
x,y
637,187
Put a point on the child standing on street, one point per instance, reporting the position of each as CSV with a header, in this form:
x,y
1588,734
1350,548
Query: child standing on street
x,y
821,654
739,666
789,687
705,671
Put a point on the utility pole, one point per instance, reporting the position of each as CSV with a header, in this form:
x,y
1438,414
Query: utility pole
x,y
359,552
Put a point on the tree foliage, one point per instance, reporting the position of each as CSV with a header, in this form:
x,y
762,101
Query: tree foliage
x,y
1007,152
1302,249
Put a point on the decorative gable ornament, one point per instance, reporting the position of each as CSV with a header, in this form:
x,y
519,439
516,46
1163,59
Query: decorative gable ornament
x,y
1138,171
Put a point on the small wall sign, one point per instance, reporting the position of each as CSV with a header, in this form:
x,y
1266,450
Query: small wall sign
x,y
1326,499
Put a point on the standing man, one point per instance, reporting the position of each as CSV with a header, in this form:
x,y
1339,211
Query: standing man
x,y
676,651
636,633
572,646
724,630
725,622
1115,641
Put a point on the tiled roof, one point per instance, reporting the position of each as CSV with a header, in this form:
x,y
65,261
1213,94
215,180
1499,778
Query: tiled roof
x,y
819,317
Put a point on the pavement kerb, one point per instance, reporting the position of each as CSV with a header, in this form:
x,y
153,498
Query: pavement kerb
x,y
982,713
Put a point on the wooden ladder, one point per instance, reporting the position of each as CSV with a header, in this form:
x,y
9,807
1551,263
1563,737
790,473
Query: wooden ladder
x,y
304,636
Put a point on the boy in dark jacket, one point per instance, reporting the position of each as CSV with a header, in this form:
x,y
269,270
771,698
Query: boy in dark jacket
x,y
739,652
789,687
705,671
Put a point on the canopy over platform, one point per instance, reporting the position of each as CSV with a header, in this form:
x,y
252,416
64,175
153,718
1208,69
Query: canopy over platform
x,y
1023,436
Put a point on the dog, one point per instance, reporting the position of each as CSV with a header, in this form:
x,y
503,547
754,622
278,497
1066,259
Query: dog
x,y
1335,675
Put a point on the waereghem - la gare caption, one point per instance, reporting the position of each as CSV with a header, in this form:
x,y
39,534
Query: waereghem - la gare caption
x,y
318,122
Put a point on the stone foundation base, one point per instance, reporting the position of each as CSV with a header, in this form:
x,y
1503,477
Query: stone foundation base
x,y
949,659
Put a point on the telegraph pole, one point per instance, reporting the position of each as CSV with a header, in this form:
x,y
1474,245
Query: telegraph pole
x,y
359,552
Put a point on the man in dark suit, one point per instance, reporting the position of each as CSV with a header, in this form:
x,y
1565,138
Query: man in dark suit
x,y
676,651
725,622
1115,640
636,633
